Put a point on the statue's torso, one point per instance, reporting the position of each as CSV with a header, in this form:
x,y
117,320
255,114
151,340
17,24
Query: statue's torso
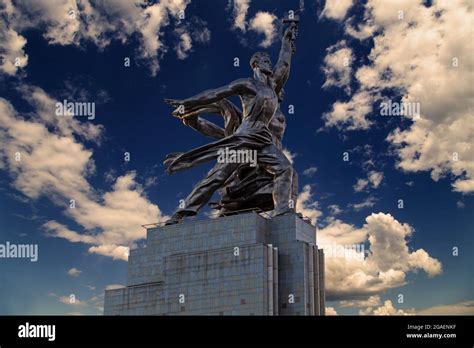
x,y
277,127
258,109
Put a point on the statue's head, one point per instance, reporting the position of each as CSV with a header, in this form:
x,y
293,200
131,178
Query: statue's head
x,y
262,61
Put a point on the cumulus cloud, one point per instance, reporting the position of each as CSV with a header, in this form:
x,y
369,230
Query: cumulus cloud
x,y
307,206
71,22
341,233
337,66
72,301
54,162
372,301
95,302
118,215
74,272
423,54
331,311
382,267
263,23
12,55
360,185
184,45
386,309
187,34
374,178
240,10
351,114
336,10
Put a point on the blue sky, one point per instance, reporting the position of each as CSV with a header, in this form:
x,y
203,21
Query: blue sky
x,y
342,70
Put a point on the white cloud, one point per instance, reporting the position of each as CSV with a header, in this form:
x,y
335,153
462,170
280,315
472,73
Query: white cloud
x,y
118,215
337,66
461,308
418,53
330,311
307,206
372,301
263,22
94,302
374,178
72,301
422,260
116,252
385,264
334,209
360,185
55,164
241,8
340,232
184,46
74,272
386,309
68,22
369,202
309,172
351,114
194,31
336,9
13,56
114,286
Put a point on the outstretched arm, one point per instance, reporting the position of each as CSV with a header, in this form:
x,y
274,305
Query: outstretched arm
x,y
201,125
237,87
224,107
282,67
205,127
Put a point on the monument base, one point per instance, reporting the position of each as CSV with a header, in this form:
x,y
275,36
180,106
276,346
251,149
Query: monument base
x,y
242,264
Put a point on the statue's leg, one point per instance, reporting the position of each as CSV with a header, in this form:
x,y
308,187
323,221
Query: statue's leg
x,y
275,162
203,191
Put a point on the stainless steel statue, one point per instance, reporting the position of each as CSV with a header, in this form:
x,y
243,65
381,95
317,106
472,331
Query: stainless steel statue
x,y
259,127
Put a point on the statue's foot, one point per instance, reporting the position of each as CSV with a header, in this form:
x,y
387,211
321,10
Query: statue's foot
x,y
177,217
173,221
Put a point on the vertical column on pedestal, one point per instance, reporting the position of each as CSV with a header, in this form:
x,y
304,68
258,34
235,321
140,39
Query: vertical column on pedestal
x,y
305,295
311,279
317,285
275,281
269,255
322,294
